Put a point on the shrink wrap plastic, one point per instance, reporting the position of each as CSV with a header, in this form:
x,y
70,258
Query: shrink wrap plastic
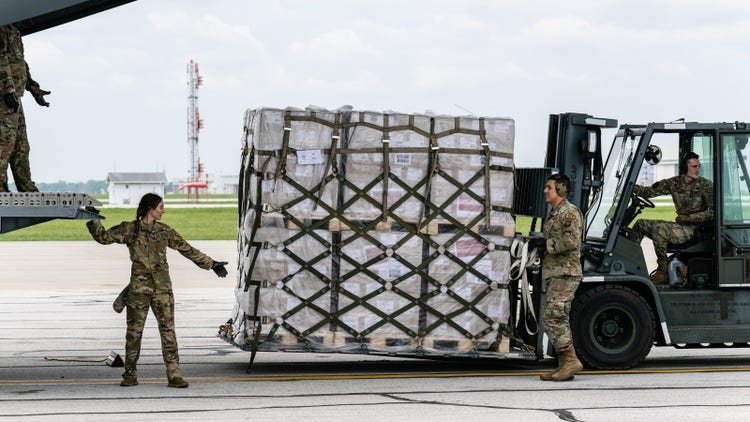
x,y
325,265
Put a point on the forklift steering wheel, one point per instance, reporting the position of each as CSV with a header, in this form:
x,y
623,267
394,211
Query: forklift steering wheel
x,y
642,202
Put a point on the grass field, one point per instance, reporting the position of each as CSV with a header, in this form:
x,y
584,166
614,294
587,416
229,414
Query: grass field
x,y
191,223
523,224
207,224
181,198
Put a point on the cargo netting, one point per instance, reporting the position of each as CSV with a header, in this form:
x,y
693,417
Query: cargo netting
x,y
370,232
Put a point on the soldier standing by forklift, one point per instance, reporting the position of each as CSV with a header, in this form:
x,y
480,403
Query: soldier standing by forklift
x,y
693,197
561,267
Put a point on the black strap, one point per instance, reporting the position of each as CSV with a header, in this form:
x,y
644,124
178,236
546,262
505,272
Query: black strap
x,y
386,167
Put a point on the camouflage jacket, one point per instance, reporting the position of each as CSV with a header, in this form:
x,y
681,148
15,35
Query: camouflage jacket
x,y
147,245
694,199
13,69
562,230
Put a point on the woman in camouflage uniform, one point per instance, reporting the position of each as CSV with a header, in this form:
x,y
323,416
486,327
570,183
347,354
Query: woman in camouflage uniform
x,y
150,285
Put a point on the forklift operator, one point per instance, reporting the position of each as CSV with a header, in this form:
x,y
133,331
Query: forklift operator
x,y
693,198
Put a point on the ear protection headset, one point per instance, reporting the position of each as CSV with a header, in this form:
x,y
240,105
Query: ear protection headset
x,y
562,182
684,159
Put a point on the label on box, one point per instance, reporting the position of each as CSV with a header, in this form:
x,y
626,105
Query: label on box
x,y
402,158
309,156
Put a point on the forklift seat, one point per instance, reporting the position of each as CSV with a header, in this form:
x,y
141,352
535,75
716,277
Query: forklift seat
x,y
702,242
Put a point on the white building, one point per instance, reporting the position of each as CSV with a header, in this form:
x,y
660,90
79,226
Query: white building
x,y
223,183
215,184
128,188
667,167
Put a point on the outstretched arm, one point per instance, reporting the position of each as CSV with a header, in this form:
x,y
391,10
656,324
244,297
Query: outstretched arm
x,y
179,244
117,234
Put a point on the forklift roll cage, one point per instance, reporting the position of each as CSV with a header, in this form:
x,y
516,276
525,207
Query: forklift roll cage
x,y
618,314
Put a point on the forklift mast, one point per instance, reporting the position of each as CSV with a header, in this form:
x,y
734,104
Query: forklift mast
x,y
574,148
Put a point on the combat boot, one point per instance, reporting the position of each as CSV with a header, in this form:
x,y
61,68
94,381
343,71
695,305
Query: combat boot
x,y
571,365
660,275
178,382
547,376
128,381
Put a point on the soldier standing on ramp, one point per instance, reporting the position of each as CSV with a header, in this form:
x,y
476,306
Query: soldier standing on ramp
x,y
561,267
15,78
150,285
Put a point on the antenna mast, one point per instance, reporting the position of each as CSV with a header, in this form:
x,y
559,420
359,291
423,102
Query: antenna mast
x,y
194,121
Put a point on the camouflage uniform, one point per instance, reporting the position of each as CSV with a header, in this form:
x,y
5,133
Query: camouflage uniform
x,y
19,159
150,284
694,199
561,267
14,143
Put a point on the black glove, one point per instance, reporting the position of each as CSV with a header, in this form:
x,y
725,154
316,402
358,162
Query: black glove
x,y
92,209
11,101
38,93
537,242
219,269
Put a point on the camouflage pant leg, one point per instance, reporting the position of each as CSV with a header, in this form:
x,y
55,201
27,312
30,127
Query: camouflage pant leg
x,y
19,159
138,305
556,317
163,306
662,232
8,126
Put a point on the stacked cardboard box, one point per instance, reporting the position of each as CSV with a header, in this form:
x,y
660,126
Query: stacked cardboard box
x,y
374,232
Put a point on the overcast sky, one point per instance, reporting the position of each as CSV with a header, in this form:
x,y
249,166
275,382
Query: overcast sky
x,y
119,81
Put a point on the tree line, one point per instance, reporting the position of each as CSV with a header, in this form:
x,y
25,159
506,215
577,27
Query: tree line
x,y
92,187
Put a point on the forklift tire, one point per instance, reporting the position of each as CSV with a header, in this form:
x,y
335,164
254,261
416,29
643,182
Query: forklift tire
x,y
613,327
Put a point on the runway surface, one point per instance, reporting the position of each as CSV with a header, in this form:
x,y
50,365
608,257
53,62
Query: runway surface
x,y
58,326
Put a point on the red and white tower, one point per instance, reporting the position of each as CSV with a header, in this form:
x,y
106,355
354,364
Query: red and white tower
x,y
194,122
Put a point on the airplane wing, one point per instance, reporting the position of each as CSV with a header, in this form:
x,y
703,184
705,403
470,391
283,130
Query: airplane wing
x,y
36,15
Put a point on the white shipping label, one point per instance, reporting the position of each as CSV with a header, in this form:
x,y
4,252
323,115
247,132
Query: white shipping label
x,y
309,156
402,158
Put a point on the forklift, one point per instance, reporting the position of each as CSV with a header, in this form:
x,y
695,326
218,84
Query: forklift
x,y
618,314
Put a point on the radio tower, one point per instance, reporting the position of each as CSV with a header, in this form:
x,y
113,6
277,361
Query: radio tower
x,y
194,126
194,121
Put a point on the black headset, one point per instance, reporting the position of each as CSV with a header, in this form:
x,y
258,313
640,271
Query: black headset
x,y
684,159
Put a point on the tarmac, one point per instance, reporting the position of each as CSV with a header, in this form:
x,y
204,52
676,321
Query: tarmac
x,y
58,329
89,265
